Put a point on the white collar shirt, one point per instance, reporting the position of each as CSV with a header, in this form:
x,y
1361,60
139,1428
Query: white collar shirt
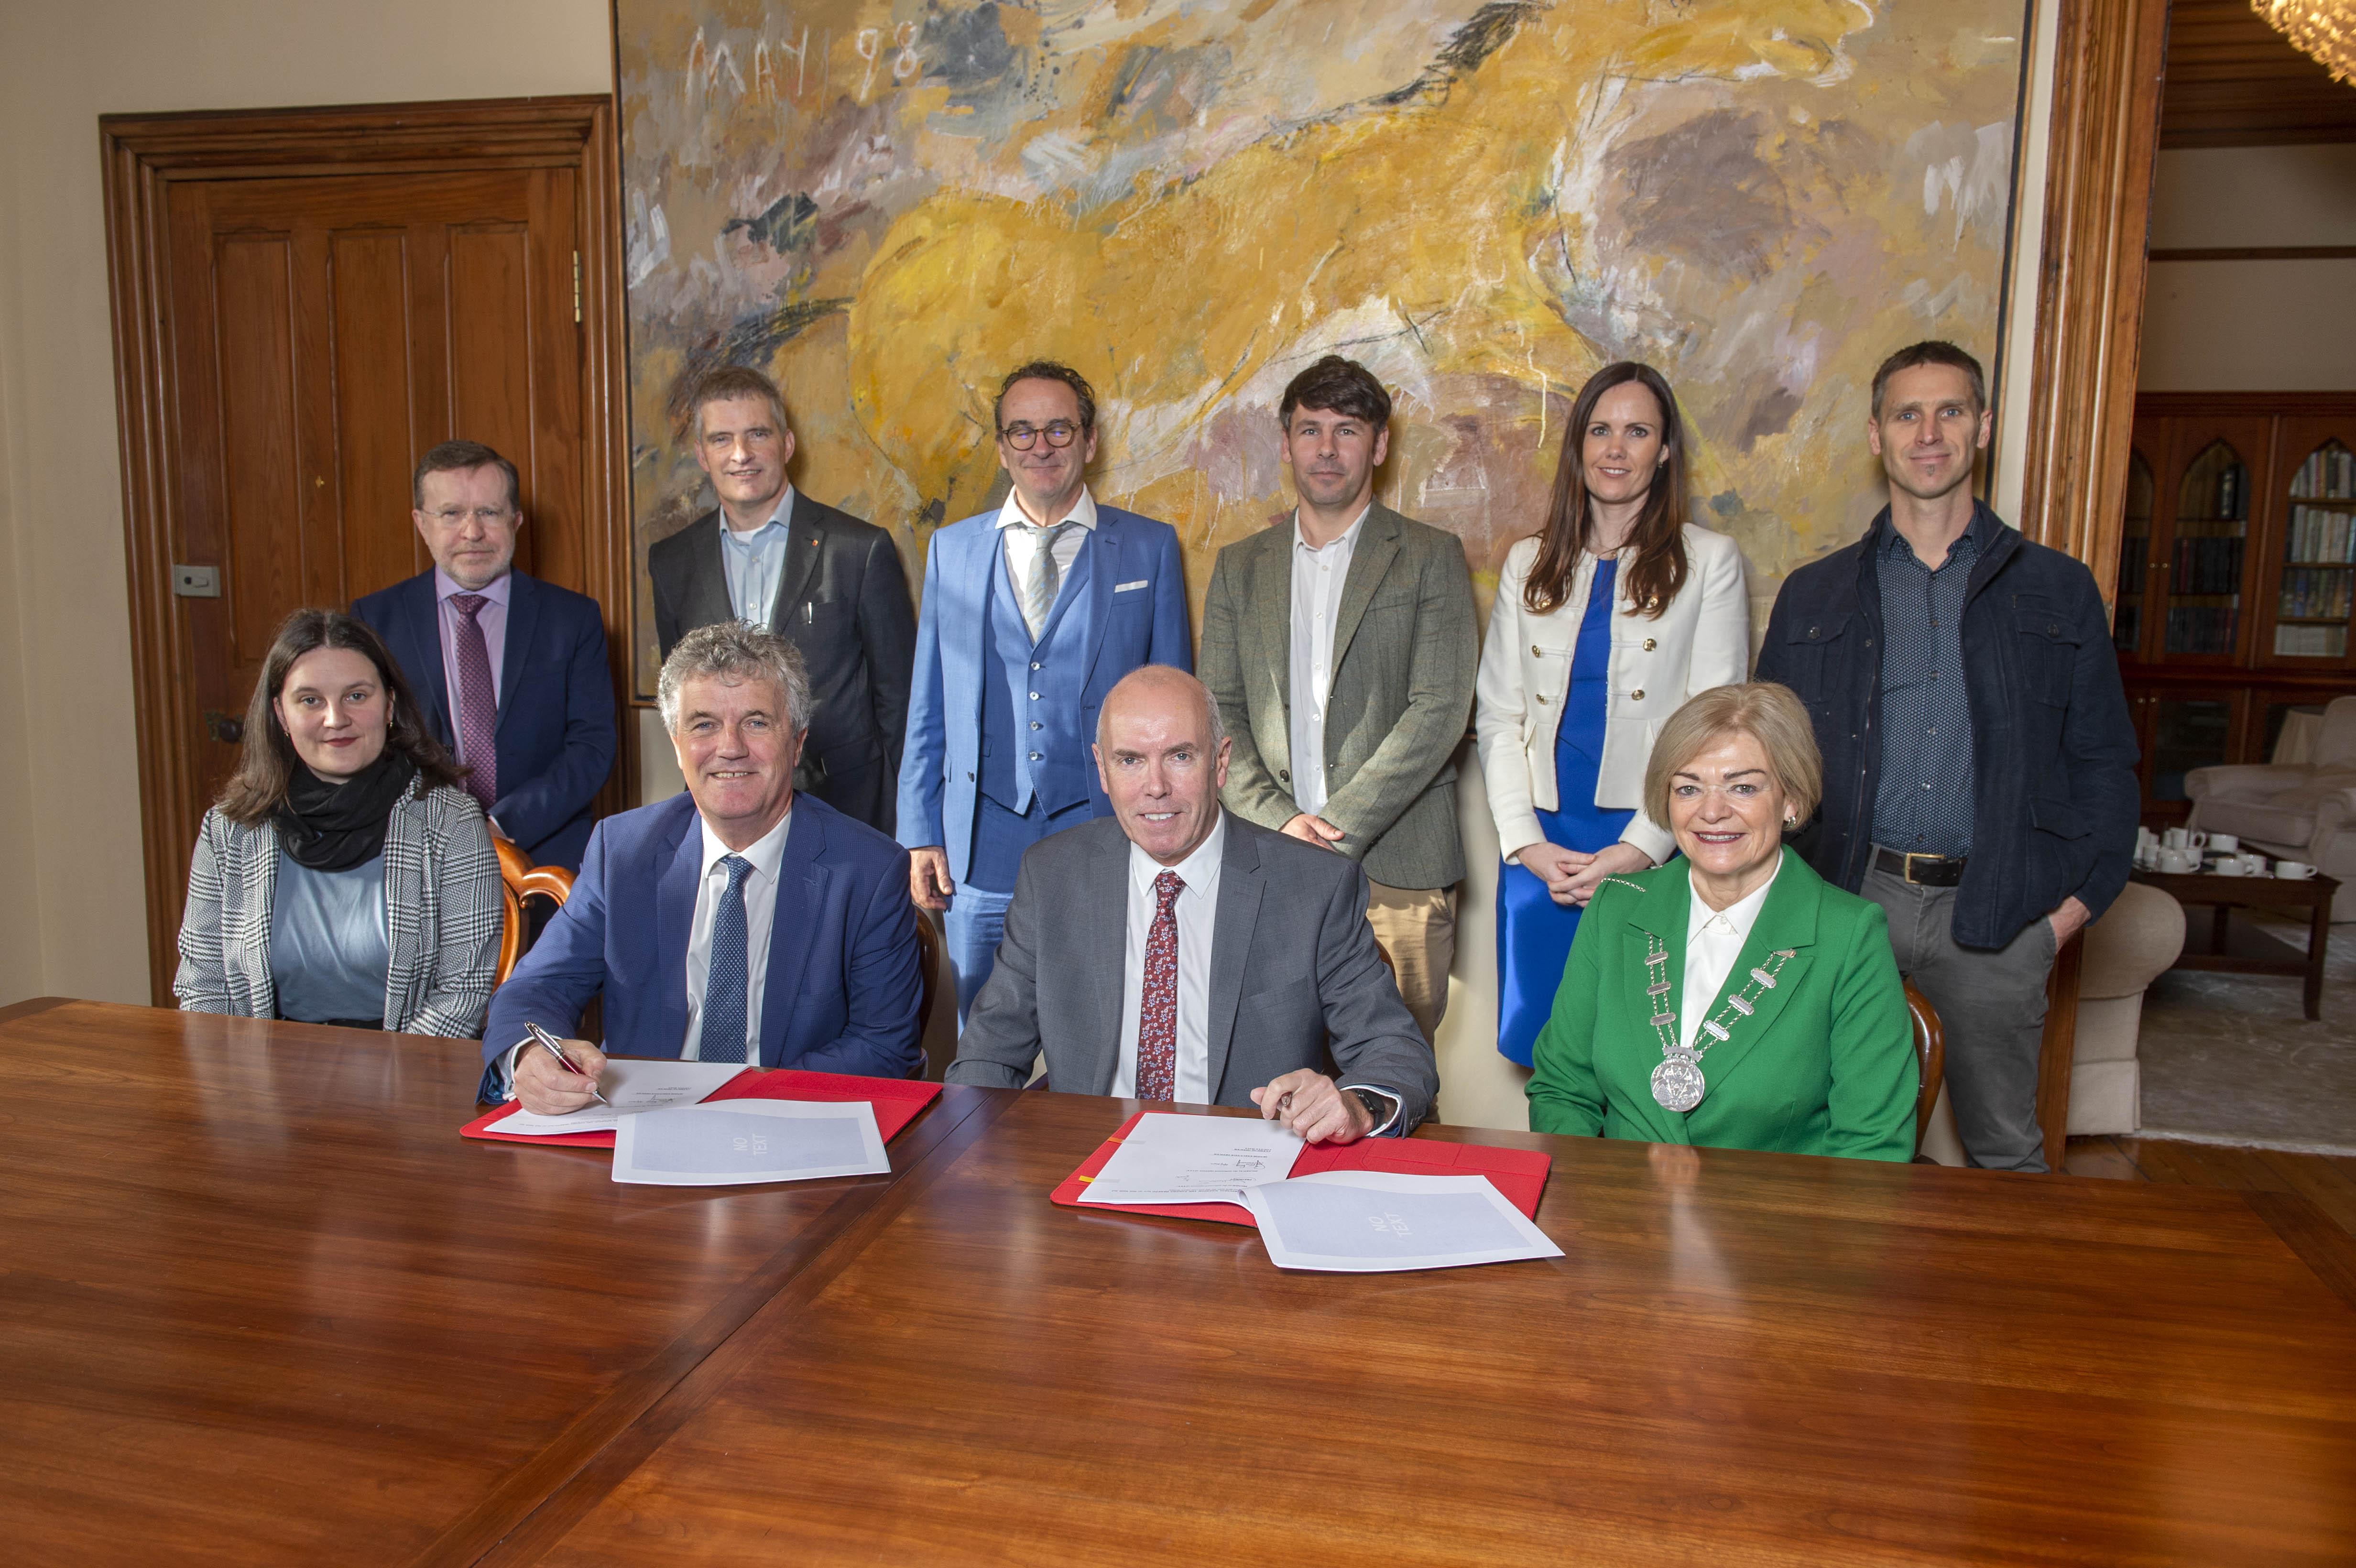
x,y
1023,543
1318,576
767,853
1196,912
1714,939
754,561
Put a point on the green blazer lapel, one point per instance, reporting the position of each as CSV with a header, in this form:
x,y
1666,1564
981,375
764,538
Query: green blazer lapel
x,y
1664,910
1787,920
1377,546
1270,608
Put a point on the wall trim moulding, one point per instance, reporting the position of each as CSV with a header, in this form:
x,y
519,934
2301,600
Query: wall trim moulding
x,y
2257,253
144,155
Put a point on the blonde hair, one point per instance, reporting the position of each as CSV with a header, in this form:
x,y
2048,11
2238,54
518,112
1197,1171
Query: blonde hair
x,y
1769,714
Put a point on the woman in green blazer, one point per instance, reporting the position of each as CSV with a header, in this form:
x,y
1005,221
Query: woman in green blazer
x,y
1732,997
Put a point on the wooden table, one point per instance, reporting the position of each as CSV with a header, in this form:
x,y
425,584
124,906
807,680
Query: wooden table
x,y
263,1305
2244,950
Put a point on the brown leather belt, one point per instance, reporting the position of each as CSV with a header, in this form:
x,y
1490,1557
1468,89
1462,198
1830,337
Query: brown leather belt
x,y
1924,870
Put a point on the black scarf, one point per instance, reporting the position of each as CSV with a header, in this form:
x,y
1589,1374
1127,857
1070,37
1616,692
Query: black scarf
x,y
333,826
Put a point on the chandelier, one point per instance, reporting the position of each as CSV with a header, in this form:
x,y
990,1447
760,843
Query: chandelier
x,y
2323,28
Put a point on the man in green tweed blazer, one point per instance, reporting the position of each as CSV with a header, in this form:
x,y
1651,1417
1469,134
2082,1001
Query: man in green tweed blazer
x,y
1341,647
1823,1065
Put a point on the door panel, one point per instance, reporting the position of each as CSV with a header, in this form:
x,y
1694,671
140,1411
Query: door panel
x,y
330,331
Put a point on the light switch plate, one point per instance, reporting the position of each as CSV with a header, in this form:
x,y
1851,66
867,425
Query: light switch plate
x,y
196,581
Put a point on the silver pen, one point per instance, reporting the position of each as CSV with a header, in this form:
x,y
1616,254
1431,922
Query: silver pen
x,y
548,1039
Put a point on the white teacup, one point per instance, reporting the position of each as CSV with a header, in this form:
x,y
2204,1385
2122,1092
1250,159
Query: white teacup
x,y
2231,866
2177,862
2225,842
2254,864
2296,870
2184,838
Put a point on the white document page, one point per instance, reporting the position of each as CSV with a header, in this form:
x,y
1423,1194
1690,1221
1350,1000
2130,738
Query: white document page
x,y
739,1141
632,1085
1370,1221
1169,1158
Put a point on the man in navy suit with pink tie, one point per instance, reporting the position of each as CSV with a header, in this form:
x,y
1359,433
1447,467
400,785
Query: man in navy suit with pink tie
x,y
511,670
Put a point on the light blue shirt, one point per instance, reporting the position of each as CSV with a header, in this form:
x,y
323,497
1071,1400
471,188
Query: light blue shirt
x,y
755,560
328,950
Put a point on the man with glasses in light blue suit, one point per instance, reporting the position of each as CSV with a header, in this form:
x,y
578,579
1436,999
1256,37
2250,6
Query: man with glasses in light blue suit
x,y
1029,616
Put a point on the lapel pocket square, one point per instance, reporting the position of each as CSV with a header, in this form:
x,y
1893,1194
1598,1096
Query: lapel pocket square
x,y
1125,587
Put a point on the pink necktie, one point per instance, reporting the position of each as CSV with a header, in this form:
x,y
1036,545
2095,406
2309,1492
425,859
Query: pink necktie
x,y
478,703
1157,1015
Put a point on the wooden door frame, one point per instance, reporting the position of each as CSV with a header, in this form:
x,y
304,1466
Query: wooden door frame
x,y
2108,64
144,155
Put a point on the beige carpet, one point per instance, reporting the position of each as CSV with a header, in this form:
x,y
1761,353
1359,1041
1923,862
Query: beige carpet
x,y
2230,1058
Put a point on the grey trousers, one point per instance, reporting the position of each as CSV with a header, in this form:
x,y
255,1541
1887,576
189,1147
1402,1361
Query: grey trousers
x,y
1991,1002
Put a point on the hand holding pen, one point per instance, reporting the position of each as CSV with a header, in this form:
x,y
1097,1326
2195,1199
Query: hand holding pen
x,y
560,1077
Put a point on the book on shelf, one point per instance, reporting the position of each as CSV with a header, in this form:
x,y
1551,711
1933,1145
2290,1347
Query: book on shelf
x,y
2327,474
2321,536
2311,642
2201,629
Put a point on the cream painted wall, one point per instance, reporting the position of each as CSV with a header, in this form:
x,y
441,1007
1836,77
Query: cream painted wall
x,y
2251,326
70,915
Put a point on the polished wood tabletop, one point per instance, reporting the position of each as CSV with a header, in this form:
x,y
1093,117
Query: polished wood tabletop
x,y
263,1306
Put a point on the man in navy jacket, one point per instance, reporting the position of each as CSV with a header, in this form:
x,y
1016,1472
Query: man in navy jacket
x,y
1979,762
511,670
743,921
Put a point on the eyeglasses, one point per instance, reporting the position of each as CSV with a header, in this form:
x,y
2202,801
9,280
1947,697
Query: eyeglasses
x,y
1023,437
489,516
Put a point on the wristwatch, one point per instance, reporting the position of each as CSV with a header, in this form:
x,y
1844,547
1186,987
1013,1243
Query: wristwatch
x,y
1382,1107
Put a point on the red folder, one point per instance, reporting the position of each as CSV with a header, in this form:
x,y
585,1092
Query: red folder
x,y
896,1102
1519,1173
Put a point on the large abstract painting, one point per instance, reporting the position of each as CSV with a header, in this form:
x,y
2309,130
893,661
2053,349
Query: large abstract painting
x,y
887,205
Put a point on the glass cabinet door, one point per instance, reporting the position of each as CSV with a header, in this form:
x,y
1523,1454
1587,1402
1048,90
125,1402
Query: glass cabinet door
x,y
2189,730
2135,556
2208,555
2317,596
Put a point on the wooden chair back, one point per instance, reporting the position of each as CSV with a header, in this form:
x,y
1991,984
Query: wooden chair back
x,y
1930,1055
520,879
929,976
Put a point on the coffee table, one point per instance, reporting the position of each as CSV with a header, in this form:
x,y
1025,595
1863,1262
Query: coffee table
x,y
2244,950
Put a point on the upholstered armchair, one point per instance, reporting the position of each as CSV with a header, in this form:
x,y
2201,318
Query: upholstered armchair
x,y
2140,935
2294,811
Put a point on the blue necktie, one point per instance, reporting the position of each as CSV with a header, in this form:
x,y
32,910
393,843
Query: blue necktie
x,y
725,985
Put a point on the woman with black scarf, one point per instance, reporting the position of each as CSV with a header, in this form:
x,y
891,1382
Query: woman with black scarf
x,y
344,876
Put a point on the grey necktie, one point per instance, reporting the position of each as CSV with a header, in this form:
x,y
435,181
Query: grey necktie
x,y
1046,577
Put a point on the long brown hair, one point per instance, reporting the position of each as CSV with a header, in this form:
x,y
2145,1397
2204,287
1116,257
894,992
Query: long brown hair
x,y
1660,568
268,762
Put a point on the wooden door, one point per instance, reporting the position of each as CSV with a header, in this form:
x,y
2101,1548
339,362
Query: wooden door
x,y
306,301
327,332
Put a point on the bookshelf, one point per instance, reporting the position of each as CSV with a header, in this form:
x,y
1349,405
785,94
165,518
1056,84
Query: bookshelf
x,y
2236,582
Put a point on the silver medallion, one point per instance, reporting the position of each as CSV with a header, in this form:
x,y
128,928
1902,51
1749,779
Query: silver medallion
x,y
1678,1083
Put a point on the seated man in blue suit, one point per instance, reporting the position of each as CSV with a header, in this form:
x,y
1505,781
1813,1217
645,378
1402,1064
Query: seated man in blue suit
x,y
739,922
1029,615
511,670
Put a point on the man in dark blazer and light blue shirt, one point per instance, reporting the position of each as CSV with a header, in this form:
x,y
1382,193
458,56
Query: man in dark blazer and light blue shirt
x,y
510,671
1031,614
1240,951
827,582
738,922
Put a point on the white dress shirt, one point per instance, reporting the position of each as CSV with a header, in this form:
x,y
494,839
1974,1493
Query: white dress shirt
x,y
1023,545
1196,912
1714,939
1318,576
755,559
760,920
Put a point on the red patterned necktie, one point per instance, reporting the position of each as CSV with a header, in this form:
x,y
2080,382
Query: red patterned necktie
x,y
478,703
1157,1013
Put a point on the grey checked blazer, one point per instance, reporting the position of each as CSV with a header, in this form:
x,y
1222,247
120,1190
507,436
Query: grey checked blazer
x,y
1292,965
1406,645
442,906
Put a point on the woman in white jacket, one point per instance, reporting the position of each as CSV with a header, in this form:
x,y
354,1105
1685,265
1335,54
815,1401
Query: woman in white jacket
x,y
1604,623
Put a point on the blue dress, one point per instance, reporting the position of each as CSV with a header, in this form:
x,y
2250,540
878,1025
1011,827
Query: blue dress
x,y
1534,933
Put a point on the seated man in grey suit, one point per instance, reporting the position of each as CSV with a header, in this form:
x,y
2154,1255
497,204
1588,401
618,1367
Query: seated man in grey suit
x,y
1240,951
